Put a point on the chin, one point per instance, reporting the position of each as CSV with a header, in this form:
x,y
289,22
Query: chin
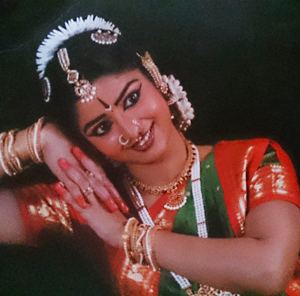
x,y
153,154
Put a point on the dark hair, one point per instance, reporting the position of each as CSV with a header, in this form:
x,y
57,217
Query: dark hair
x,y
91,60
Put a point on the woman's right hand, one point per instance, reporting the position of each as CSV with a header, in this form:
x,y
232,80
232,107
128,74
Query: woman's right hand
x,y
58,149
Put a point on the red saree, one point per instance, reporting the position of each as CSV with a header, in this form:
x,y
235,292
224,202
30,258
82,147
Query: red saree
x,y
235,180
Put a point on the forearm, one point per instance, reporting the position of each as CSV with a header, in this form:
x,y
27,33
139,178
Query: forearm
x,y
237,264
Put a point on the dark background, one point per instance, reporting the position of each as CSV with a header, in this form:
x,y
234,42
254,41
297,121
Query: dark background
x,y
238,60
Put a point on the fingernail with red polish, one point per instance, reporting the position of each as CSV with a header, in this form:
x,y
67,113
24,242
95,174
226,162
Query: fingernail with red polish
x,y
63,164
80,200
124,208
78,153
75,215
58,187
111,205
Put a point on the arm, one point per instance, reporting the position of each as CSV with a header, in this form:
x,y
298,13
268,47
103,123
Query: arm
x,y
262,261
55,145
12,229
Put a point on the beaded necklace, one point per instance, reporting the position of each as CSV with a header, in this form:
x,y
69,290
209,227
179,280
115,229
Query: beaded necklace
x,y
144,215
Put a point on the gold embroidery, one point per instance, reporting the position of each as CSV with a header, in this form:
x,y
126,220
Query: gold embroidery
x,y
52,210
270,179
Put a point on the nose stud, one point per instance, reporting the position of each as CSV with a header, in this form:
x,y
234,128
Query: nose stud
x,y
123,141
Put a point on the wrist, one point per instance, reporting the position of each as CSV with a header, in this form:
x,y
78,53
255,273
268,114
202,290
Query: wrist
x,y
18,149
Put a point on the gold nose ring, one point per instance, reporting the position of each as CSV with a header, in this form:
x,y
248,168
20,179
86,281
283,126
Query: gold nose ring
x,y
123,141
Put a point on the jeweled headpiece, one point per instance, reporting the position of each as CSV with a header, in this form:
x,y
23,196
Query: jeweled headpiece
x,y
104,33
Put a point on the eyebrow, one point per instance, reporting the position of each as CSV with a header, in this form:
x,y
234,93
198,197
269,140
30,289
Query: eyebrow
x,y
98,118
92,122
124,90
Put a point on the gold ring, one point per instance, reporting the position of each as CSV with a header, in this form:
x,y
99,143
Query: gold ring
x,y
87,191
89,174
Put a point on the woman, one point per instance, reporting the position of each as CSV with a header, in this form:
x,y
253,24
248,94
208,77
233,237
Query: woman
x,y
230,225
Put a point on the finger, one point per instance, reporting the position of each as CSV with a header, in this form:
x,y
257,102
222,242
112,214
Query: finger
x,y
99,174
116,196
74,174
77,182
62,192
87,162
103,195
86,186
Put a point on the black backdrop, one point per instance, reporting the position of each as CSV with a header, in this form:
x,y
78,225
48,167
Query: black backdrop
x,y
238,60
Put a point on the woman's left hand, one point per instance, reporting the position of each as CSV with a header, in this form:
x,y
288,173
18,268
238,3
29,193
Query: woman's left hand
x,y
92,204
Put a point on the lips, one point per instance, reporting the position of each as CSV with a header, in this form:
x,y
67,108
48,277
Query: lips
x,y
145,141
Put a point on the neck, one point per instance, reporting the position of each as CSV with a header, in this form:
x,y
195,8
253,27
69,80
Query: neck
x,y
165,169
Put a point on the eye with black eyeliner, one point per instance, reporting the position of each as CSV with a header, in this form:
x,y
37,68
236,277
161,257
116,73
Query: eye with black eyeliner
x,y
132,98
101,128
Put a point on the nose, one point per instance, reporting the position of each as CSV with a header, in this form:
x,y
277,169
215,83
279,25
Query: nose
x,y
129,127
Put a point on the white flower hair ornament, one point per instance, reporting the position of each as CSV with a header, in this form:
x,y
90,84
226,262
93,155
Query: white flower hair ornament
x,y
179,97
105,34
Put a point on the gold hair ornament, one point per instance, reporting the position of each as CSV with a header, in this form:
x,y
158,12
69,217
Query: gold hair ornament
x,y
172,90
82,87
106,37
153,71
104,32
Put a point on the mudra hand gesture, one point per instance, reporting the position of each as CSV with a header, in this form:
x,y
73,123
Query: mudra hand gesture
x,y
84,185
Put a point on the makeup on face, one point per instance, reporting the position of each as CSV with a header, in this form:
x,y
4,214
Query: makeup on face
x,y
128,97
127,104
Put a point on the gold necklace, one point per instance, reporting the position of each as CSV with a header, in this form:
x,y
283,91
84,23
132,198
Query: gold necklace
x,y
173,185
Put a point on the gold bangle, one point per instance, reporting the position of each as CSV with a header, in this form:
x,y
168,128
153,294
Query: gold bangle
x,y
29,136
138,244
12,157
21,148
36,140
8,141
126,236
2,157
148,248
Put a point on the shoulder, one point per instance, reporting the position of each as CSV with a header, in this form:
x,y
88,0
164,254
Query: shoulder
x,y
241,144
204,150
236,149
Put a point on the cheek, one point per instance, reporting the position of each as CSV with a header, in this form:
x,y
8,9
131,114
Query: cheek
x,y
108,145
157,107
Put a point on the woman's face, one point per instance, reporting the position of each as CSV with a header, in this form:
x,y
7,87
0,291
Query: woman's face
x,y
127,107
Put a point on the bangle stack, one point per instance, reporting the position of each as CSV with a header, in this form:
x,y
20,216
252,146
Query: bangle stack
x,y
138,243
15,155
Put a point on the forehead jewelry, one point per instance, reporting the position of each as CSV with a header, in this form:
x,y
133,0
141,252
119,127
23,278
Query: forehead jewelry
x,y
123,141
102,33
82,88
107,107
